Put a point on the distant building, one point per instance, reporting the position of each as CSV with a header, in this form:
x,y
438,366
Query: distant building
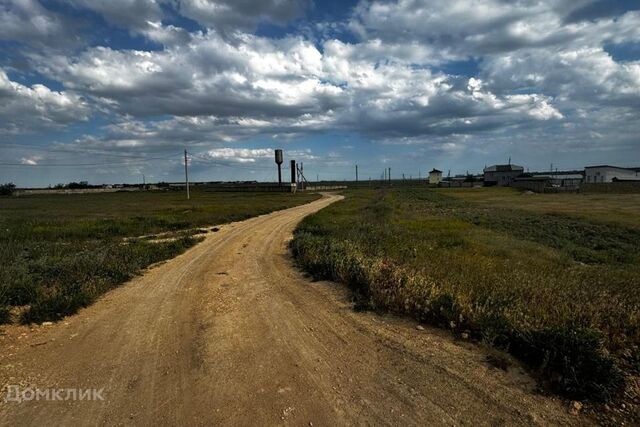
x,y
501,175
567,179
527,181
467,181
435,176
606,173
549,182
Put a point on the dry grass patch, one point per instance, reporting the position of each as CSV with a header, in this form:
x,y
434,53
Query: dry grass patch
x,y
557,291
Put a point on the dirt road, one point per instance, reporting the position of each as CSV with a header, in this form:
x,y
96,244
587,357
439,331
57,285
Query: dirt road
x,y
231,333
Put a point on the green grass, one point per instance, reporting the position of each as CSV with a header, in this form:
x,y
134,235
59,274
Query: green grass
x,y
614,208
60,252
557,290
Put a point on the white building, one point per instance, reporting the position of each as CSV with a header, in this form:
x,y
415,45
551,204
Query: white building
x,y
435,176
605,173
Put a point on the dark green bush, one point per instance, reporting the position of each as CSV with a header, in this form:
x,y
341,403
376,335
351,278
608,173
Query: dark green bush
x,y
7,189
571,359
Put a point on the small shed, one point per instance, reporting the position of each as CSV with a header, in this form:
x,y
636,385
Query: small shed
x,y
435,176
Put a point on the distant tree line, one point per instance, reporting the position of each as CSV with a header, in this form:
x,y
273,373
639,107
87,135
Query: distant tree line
x,y
76,185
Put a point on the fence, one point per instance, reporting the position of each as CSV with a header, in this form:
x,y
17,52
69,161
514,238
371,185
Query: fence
x,y
612,187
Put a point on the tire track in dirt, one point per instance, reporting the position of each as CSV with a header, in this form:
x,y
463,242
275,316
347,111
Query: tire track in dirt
x,y
231,333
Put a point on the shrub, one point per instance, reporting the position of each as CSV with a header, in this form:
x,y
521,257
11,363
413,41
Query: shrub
x,y
571,359
7,189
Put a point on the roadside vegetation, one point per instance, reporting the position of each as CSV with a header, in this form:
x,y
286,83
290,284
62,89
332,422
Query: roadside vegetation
x,y
558,290
60,252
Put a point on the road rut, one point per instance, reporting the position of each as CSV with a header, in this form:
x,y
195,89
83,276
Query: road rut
x,y
230,332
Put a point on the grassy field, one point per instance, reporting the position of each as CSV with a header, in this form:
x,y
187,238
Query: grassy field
x,y
615,208
59,252
547,279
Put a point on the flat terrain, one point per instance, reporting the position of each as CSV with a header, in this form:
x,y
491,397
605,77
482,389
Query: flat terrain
x,y
613,208
229,332
559,291
60,252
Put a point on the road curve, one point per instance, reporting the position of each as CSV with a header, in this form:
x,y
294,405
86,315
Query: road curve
x,y
231,333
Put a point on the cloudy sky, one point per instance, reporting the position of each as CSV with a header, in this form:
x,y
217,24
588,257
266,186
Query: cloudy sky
x,y
108,90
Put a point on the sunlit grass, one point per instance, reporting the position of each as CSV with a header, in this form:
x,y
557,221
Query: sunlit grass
x,y
60,252
616,208
559,291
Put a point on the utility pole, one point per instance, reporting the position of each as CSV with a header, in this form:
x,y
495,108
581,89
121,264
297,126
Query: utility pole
x,y
389,175
294,169
300,180
186,173
356,173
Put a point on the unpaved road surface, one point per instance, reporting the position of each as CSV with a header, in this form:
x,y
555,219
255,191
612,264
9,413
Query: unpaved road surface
x,y
231,333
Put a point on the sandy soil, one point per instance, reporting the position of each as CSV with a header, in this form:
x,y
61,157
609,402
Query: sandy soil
x,y
231,333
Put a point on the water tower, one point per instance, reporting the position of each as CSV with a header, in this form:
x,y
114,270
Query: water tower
x,y
279,163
